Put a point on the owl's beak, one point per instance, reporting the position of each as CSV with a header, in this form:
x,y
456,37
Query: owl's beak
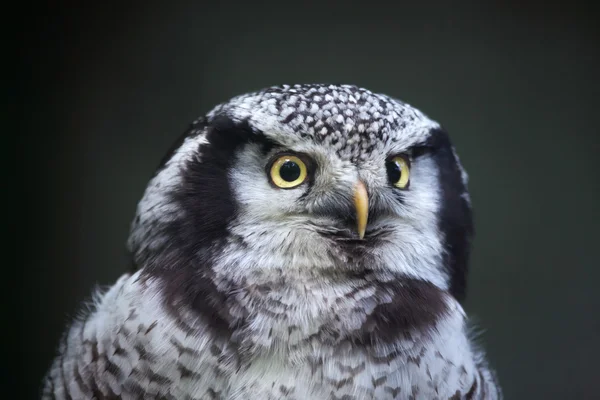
x,y
361,203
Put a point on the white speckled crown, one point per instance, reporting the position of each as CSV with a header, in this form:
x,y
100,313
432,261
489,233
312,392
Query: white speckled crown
x,y
350,119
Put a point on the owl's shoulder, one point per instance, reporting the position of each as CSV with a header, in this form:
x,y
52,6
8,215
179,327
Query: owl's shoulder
x,y
125,344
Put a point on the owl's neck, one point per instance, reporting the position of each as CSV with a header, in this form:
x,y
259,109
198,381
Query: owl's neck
x,y
359,308
287,302
307,305
374,316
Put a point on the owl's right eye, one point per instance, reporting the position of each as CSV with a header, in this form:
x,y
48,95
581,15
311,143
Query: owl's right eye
x,y
288,171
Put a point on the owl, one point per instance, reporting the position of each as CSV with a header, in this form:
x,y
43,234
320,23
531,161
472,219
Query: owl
x,y
299,242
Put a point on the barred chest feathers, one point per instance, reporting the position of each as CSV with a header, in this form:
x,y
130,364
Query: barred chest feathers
x,y
132,345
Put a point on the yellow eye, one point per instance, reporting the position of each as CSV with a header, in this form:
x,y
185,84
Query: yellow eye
x,y
398,171
288,171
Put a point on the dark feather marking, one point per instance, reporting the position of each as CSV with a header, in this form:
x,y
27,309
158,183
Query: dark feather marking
x,y
187,373
342,382
180,322
428,372
154,376
385,359
119,351
315,364
293,328
353,371
352,293
414,393
183,350
393,391
132,312
152,326
143,354
113,369
133,387
214,395
215,350
286,391
455,216
471,391
455,396
379,381
93,349
415,305
186,259
79,380
124,331
98,394
416,359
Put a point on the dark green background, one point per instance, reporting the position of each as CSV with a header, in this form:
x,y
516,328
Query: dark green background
x,y
104,90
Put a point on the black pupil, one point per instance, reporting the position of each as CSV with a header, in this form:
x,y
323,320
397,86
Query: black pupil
x,y
289,171
394,171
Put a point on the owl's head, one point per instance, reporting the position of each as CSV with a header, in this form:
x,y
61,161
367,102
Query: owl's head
x,y
308,182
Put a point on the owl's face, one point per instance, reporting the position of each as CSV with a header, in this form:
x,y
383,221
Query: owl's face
x,y
308,183
308,204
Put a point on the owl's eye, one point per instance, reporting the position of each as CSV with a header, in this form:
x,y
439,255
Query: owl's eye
x,y
288,171
398,171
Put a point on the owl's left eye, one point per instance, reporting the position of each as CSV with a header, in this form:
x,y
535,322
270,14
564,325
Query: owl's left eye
x,y
398,171
288,171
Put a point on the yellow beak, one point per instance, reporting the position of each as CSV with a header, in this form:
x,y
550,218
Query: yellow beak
x,y
361,203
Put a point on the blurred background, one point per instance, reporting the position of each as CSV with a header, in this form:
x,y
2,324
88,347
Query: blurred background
x,y
102,90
